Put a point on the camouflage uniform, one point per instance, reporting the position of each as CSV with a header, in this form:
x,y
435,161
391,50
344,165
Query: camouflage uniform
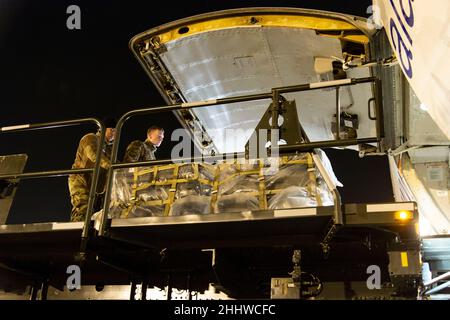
x,y
79,184
140,151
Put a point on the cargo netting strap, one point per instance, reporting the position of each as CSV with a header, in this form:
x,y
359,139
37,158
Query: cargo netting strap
x,y
262,187
312,186
172,190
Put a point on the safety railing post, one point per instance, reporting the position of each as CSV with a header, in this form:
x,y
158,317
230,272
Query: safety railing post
x,y
92,191
338,114
379,114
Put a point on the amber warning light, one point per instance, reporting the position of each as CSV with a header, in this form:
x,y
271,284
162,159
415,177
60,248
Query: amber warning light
x,y
403,215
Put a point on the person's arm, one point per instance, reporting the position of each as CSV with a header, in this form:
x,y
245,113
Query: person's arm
x,y
133,152
91,143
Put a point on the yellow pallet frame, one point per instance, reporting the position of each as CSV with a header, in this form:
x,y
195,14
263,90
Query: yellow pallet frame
x,y
216,183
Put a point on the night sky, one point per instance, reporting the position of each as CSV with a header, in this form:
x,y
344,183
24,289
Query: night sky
x,y
50,73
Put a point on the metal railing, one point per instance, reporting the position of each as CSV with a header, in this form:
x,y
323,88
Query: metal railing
x,y
308,146
283,149
57,173
440,287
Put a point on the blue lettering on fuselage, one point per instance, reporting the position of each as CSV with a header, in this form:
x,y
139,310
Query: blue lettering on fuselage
x,y
401,47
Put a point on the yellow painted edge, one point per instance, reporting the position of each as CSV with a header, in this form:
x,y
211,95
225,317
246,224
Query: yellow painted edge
x,y
404,258
289,21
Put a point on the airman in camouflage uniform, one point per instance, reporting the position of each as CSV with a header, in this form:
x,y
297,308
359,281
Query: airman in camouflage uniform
x,y
79,184
145,150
